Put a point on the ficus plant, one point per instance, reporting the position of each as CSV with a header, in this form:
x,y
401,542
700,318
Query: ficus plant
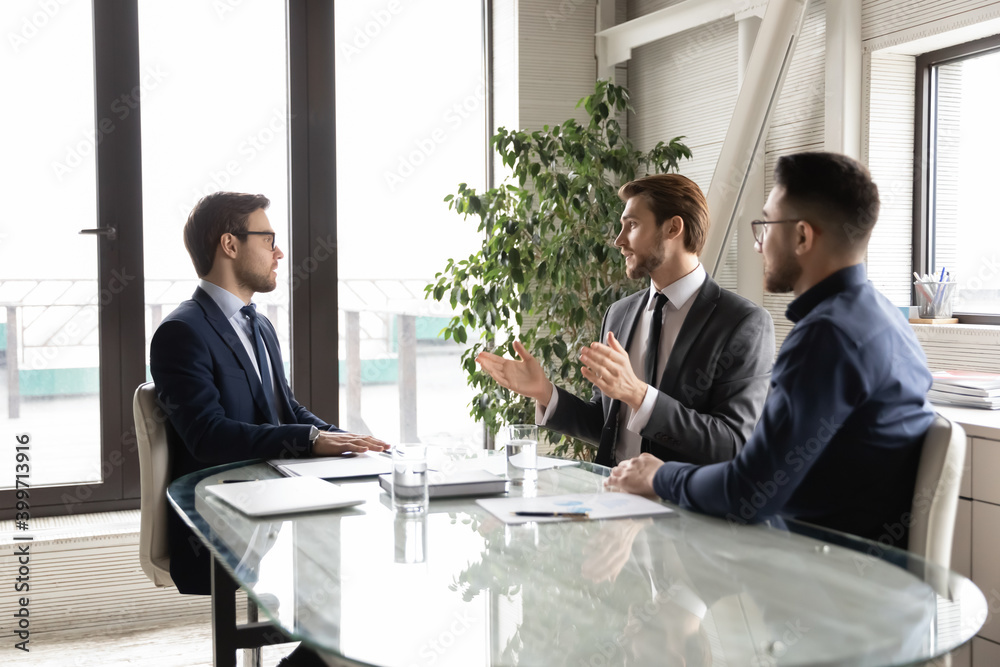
x,y
547,270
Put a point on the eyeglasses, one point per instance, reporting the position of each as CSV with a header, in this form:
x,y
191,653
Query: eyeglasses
x,y
759,231
271,234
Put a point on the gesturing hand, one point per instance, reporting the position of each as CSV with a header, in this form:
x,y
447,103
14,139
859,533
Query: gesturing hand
x,y
524,377
609,368
332,444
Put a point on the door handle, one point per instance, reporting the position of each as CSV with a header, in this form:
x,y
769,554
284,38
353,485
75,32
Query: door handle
x,y
108,232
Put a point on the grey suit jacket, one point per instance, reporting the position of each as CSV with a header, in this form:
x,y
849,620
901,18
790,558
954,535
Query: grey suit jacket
x,y
712,389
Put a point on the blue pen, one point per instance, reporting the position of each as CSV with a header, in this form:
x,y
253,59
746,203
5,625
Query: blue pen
x,y
942,275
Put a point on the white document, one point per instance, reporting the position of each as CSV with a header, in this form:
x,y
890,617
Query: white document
x,y
284,495
366,464
609,505
498,464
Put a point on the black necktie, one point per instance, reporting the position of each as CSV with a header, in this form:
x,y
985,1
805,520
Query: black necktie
x,y
653,341
265,379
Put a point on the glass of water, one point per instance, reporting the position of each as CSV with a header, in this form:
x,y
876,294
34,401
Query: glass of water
x,y
409,478
522,453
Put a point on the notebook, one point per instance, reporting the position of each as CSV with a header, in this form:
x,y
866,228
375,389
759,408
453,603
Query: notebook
x,y
367,464
284,495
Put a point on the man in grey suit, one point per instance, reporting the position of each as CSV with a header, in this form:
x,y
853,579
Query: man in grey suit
x,y
682,369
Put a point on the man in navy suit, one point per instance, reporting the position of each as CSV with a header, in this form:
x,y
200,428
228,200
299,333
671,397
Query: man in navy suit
x,y
840,437
218,368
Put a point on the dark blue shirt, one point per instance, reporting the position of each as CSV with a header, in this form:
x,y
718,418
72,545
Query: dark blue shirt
x,y
839,439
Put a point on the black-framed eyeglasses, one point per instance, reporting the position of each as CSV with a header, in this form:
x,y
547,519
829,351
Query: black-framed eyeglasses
x,y
271,234
759,231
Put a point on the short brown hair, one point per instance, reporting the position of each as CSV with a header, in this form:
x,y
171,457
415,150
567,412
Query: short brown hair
x,y
214,215
672,194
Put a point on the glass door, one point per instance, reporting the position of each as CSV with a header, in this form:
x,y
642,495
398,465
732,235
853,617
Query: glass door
x,y
50,295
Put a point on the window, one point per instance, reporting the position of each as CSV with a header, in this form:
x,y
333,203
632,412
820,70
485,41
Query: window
x,y
211,128
411,118
957,140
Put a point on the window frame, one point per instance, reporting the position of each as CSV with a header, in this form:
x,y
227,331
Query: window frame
x,y
310,57
924,140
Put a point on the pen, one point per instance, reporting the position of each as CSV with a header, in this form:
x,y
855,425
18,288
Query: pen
x,y
236,481
572,515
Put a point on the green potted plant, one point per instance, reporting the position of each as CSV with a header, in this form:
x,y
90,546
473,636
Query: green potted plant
x,y
547,269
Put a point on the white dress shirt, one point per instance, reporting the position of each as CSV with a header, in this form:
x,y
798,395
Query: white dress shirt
x,y
680,295
230,305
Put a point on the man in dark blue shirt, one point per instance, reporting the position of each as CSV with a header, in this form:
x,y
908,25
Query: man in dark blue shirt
x,y
839,440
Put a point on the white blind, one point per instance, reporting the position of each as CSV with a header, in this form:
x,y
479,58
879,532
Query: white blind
x,y
890,160
881,18
797,123
556,64
686,85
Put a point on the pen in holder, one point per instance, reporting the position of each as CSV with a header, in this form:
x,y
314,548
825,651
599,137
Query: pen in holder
x,y
934,301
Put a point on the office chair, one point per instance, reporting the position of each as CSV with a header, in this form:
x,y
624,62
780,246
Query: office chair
x,y
935,496
154,477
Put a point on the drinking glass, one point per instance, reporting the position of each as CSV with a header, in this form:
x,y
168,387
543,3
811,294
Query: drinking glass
x,y
522,453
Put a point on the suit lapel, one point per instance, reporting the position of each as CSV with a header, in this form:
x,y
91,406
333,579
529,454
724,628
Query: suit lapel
x,y
701,310
624,330
630,321
222,327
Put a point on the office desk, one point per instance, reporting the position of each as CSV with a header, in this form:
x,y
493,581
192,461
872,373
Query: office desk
x,y
458,587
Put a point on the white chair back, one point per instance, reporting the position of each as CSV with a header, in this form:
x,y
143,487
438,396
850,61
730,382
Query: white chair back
x,y
935,496
154,477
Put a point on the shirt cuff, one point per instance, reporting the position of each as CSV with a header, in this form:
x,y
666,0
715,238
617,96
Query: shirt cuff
x,y
641,416
543,416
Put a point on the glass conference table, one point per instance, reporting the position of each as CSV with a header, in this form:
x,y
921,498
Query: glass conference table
x,y
458,587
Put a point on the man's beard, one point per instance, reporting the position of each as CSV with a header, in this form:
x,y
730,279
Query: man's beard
x,y
257,282
781,277
645,268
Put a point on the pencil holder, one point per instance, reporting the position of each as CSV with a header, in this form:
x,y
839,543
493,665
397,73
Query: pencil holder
x,y
935,298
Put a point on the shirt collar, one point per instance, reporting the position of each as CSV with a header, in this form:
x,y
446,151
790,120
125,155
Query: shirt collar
x,y
680,291
838,281
227,302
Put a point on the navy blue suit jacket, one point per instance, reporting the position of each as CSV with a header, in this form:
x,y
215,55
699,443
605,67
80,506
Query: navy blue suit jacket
x,y
208,388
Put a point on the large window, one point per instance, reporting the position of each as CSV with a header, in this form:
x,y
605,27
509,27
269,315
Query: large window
x,y
957,224
49,287
214,117
410,127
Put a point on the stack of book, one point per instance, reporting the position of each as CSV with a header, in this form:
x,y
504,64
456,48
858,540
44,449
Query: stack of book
x,y
968,389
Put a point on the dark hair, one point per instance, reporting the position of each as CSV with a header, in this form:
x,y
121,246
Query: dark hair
x,y
217,214
832,191
672,194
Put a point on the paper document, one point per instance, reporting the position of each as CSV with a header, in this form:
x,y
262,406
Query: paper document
x,y
596,505
367,464
284,495
498,464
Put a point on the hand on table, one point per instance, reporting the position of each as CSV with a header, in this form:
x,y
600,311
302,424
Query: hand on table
x,y
334,443
635,475
609,369
524,377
